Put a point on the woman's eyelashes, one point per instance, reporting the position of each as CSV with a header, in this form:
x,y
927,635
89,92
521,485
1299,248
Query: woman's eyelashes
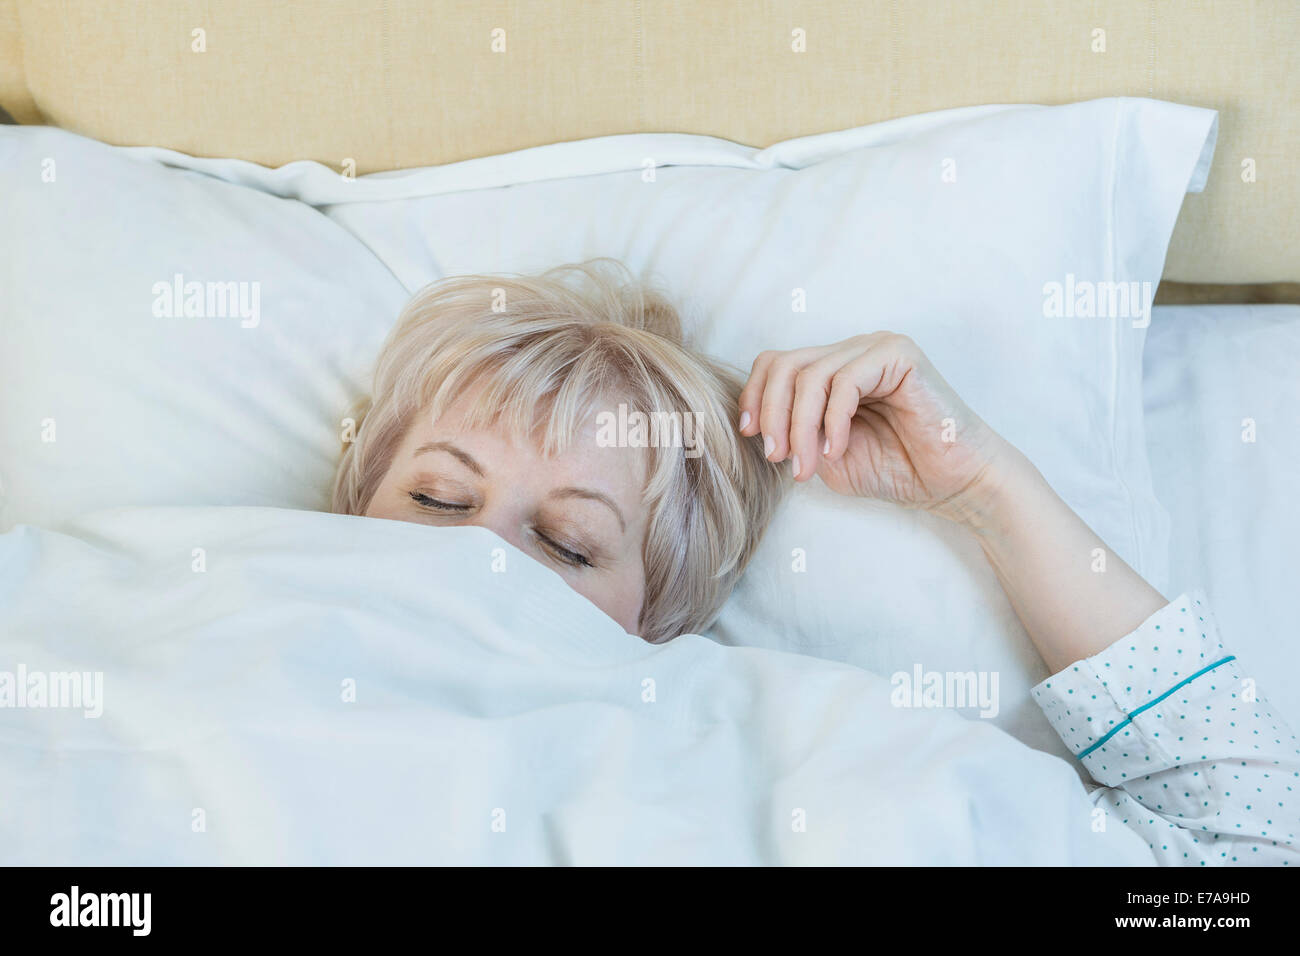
x,y
434,504
567,555
549,541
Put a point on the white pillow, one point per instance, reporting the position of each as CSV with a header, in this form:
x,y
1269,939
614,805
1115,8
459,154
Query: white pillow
x,y
948,227
106,403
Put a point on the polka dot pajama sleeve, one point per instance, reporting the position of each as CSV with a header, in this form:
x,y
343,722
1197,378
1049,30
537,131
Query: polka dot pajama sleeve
x,y
1190,754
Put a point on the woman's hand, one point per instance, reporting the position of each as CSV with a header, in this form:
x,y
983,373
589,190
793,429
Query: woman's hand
x,y
873,418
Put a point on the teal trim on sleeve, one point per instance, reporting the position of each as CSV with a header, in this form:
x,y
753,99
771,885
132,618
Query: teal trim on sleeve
x,y
1151,703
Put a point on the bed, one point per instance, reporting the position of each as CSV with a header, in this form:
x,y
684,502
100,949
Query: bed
x,y
1210,369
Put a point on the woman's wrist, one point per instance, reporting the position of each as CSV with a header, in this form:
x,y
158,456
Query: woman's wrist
x,y
1000,488
1074,596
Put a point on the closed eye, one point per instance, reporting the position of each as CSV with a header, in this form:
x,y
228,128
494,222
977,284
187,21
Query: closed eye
x,y
433,504
562,553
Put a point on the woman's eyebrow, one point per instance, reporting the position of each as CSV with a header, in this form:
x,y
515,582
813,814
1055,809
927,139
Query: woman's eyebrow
x,y
463,457
591,495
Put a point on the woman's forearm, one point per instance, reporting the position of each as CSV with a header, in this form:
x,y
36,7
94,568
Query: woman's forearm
x,y
1074,595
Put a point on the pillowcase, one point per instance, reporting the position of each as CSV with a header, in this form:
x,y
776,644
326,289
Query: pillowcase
x,y
167,338
999,238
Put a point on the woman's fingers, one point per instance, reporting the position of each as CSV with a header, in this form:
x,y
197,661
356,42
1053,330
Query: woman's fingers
x,y
775,397
803,401
841,405
777,402
811,391
751,396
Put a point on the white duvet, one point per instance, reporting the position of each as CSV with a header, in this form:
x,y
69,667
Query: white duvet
x,y
293,687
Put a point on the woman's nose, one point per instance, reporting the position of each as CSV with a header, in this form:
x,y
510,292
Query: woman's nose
x,y
504,523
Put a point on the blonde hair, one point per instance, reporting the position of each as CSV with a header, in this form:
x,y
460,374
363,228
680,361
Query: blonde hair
x,y
546,350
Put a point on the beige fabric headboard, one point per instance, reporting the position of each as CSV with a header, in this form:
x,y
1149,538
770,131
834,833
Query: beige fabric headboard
x,y
399,83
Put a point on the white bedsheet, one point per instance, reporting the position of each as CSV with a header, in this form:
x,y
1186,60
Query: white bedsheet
x,y
484,729
1234,504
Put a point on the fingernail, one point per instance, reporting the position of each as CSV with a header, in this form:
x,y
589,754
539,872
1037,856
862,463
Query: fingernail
x,y
826,448
744,420
795,466
768,445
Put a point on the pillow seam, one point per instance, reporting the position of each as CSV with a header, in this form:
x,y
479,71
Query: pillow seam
x,y
1117,352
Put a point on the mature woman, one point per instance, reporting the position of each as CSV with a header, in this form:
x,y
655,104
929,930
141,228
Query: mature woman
x,y
486,410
